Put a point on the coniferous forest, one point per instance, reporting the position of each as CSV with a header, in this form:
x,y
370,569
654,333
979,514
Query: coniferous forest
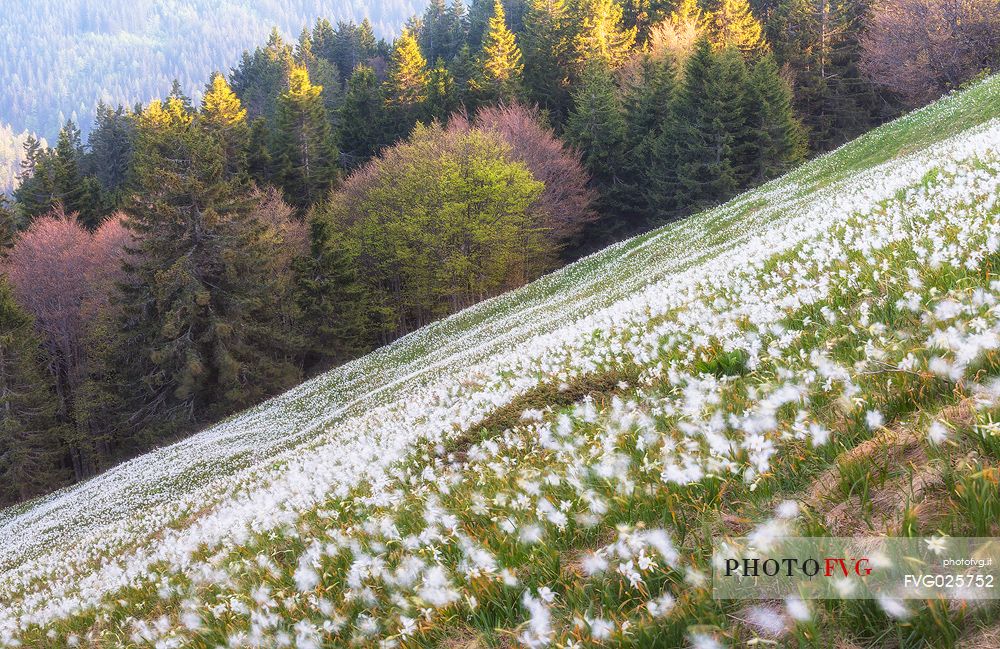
x,y
192,256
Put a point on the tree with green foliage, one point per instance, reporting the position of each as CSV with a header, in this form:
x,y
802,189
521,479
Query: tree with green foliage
x,y
780,140
30,434
440,221
600,35
304,152
468,77
480,12
200,335
10,224
596,126
331,299
707,135
262,76
733,25
647,104
406,85
260,164
437,35
362,121
110,160
442,95
68,179
501,59
222,112
35,191
546,55
819,45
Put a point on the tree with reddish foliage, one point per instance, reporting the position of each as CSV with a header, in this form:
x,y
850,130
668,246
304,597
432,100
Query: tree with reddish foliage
x,y
920,49
63,276
565,205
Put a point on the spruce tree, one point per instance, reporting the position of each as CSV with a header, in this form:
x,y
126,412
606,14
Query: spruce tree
x,y
468,78
779,139
479,20
406,86
31,446
35,193
546,54
199,327
707,124
442,96
501,59
223,113
362,117
331,299
262,76
68,180
596,126
458,22
260,165
10,224
647,106
305,154
111,145
818,43
436,31
733,25
601,36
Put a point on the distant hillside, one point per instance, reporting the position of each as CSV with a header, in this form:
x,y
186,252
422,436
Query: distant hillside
x,y
59,57
818,356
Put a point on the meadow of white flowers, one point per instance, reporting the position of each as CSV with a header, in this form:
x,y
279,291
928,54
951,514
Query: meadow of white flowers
x,y
370,505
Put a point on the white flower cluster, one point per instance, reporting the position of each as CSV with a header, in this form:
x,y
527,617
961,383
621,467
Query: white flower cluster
x,y
362,505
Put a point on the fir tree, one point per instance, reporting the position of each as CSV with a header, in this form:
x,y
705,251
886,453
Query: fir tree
x,y
601,37
733,24
35,193
596,126
223,113
331,299
199,326
468,78
362,117
406,86
546,54
30,434
648,114
436,31
480,12
818,43
111,146
67,178
10,225
708,119
458,21
502,66
304,153
779,137
262,76
442,97
260,165
177,92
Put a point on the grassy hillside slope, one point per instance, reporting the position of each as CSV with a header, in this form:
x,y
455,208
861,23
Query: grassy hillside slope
x,y
549,468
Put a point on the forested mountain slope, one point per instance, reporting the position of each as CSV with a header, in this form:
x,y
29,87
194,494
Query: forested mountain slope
x,y
58,58
547,468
